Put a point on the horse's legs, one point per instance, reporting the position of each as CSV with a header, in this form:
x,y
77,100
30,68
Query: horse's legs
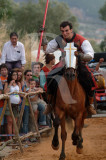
x,y
55,141
63,137
77,134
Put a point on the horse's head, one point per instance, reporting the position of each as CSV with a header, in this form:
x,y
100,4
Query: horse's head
x,y
70,73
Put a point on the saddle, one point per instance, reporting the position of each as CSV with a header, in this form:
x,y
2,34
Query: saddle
x,y
53,79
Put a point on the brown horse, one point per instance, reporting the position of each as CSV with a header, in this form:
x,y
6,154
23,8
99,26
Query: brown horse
x,y
70,101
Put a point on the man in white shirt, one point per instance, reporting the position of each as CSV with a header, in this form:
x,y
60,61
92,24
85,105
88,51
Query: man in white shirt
x,y
13,53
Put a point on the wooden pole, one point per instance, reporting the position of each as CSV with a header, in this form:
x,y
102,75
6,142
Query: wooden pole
x,y
21,112
3,111
15,126
33,118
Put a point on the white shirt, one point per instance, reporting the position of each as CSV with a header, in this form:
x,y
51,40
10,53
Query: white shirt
x,y
86,47
11,53
14,98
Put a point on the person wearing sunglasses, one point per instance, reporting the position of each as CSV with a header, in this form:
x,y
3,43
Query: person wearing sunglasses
x,y
25,120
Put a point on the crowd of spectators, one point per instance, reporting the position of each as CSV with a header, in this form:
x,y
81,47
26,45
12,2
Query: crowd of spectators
x,y
14,78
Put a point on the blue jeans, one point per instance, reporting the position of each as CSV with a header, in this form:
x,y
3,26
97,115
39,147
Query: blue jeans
x,y
25,120
41,117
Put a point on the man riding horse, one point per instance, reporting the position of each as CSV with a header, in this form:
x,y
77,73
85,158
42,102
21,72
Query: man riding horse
x,y
85,51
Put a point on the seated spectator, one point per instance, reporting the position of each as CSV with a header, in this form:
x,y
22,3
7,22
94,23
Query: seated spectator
x,y
38,104
101,70
13,53
12,86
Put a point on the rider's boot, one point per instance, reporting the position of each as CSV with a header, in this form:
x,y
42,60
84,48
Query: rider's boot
x,y
91,109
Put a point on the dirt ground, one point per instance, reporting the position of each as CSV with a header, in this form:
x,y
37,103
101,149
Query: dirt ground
x,y
94,145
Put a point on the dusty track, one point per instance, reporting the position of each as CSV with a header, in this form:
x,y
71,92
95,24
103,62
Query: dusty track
x,y
94,145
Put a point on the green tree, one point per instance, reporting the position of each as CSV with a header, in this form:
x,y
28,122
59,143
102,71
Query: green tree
x,y
29,16
103,45
6,9
102,13
95,46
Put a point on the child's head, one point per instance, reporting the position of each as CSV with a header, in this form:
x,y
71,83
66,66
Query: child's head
x,y
32,83
4,70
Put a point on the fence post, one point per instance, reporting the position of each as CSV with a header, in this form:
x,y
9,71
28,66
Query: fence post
x,y
21,112
15,126
35,124
3,111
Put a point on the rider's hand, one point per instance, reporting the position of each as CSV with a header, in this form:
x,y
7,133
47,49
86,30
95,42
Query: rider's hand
x,y
101,60
76,53
44,39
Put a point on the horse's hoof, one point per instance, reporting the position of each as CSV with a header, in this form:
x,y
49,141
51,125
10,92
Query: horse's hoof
x,y
62,157
79,150
55,144
55,148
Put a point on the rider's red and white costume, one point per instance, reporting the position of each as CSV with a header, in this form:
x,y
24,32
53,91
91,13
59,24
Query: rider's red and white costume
x,y
85,45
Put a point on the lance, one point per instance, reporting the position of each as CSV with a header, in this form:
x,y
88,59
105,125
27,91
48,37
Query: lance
x,y
42,31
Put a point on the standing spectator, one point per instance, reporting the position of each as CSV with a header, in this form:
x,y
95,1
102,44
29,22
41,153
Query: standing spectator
x,y
20,75
38,104
27,76
101,70
12,86
36,68
50,61
1,108
101,75
3,80
3,73
13,53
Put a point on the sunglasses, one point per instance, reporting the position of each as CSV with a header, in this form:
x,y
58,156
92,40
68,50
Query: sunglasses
x,y
29,75
14,75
